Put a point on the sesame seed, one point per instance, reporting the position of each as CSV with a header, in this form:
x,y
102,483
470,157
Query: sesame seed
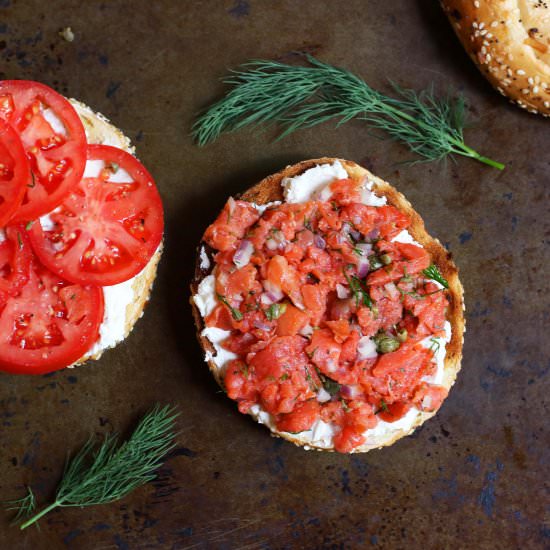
x,y
525,91
544,85
474,24
489,35
476,3
530,80
488,58
500,90
509,72
534,111
547,104
483,32
537,79
535,89
481,25
494,24
520,72
483,50
486,43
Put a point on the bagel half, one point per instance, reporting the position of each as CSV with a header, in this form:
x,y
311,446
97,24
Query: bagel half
x,y
509,41
125,302
269,190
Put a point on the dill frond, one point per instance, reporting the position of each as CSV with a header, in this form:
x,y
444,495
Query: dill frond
x,y
24,506
111,471
299,97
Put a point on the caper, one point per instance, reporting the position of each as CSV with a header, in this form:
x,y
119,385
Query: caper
x,y
387,344
402,335
385,259
374,262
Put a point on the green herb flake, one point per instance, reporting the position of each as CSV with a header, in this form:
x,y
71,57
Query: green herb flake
x,y
29,225
19,240
383,407
433,273
237,315
356,287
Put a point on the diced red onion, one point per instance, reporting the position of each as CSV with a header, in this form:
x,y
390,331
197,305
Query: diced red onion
x,y
231,204
427,402
261,326
325,193
373,234
341,291
273,291
319,242
323,396
392,291
366,348
351,392
271,244
363,265
331,365
355,235
243,253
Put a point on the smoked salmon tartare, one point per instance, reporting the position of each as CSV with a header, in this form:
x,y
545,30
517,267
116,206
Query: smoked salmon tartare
x,y
325,309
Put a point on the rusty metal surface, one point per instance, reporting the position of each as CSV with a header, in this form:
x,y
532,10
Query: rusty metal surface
x,y
475,476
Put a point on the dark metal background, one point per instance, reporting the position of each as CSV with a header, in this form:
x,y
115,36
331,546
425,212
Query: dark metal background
x,y
473,477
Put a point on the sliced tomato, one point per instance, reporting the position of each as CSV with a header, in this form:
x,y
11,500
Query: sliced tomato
x,y
15,172
15,259
49,324
53,138
109,227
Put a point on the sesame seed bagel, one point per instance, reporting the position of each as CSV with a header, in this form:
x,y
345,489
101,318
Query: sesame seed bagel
x,y
100,131
269,190
509,41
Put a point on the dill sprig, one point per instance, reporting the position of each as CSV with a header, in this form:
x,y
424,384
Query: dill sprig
x,y
25,506
432,272
303,96
111,471
360,294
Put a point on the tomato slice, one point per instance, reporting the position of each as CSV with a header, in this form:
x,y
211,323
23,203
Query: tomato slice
x,y
109,227
48,324
15,260
53,138
15,172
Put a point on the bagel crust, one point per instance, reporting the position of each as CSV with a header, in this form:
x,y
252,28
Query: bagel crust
x,y
509,41
270,190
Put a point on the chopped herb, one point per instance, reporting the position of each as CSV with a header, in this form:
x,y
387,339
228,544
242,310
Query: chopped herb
x,y
435,345
312,353
284,377
114,167
344,405
358,251
245,371
19,240
383,407
330,385
237,315
361,295
274,311
433,273
29,225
